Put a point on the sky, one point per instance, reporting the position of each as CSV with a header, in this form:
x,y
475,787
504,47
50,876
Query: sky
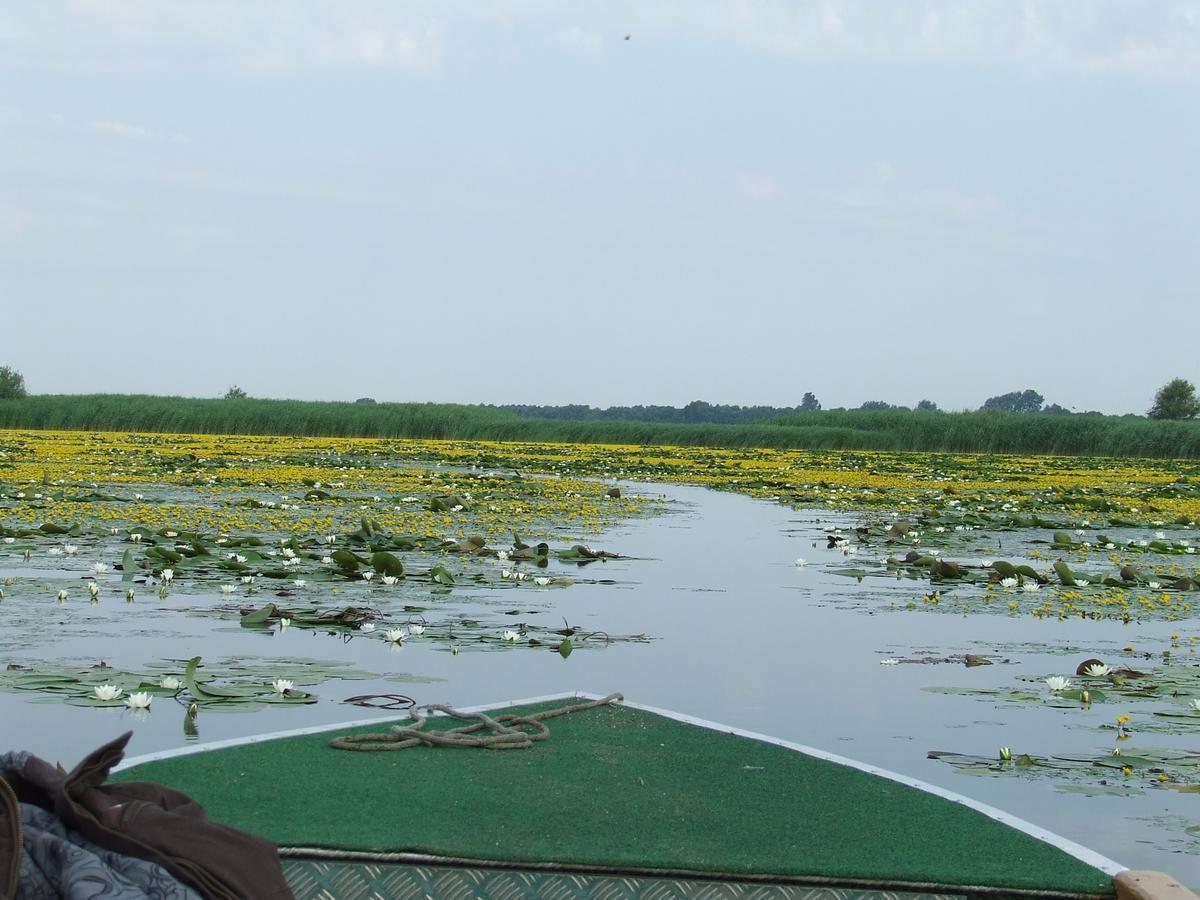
x,y
608,203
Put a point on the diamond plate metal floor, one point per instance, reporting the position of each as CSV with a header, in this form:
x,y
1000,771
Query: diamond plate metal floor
x,y
336,880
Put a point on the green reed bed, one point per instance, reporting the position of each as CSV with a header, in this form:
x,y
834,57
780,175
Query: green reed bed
x,y
977,432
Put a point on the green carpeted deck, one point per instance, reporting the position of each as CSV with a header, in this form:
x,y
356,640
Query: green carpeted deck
x,y
621,789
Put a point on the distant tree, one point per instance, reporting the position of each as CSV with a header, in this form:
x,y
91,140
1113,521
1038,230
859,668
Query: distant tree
x,y
365,400
235,393
1175,400
810,403
878,405
1026,401
927,406
1053,409
12,384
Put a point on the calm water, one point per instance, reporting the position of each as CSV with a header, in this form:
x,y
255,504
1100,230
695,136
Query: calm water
x,y
740,635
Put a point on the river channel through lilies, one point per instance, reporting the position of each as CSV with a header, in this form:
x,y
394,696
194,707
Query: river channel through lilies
x,y
1019,630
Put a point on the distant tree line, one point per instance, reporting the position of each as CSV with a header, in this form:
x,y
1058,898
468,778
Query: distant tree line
x,y
1176,400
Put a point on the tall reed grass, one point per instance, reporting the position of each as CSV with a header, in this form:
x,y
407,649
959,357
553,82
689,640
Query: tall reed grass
x,y
977,432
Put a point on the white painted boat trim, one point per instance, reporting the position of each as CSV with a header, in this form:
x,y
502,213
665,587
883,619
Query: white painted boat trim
x,y
1083,854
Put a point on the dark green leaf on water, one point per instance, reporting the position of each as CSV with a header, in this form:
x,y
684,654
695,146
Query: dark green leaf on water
x,y
385,563
565,648
261,616
441,575
1028,572
347,561
128,566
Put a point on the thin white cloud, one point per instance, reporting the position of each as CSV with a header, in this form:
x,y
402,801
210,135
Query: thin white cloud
x,y
1160,37
133,132
1157,37
757,186
883,200
578,40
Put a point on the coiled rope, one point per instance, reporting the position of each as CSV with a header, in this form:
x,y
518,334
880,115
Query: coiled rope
x,y
503,732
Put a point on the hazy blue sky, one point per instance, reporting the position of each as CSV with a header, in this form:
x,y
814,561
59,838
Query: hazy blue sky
x,y
510,202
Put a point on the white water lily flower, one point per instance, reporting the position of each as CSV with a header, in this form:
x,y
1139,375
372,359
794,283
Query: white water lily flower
x,y
288,552
510,636
55,551
368,575
107,691
366,627
1097,670
99,568
93,589
282,685
70,549
1195,704
1058,683
139,701
299,582
801,562
62,595
1160,535
416,629
327,560
228,589
284,622
541,581
1081,582
890,661
1153,585
501,554
1031,587
170,683
506,573
247,579
10,540
1009,582
395,635
167,575
389,579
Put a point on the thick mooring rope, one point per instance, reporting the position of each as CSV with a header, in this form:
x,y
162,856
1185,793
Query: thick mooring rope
x,y
504,732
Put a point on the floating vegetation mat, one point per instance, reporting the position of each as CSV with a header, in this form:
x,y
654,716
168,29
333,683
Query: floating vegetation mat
x,y
228,684
1124,772
1123,700
356,538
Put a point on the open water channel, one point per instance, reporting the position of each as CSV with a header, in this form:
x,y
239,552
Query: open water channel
x,y
737,633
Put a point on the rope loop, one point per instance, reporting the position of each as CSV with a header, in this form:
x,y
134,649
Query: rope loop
x,y
500,733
